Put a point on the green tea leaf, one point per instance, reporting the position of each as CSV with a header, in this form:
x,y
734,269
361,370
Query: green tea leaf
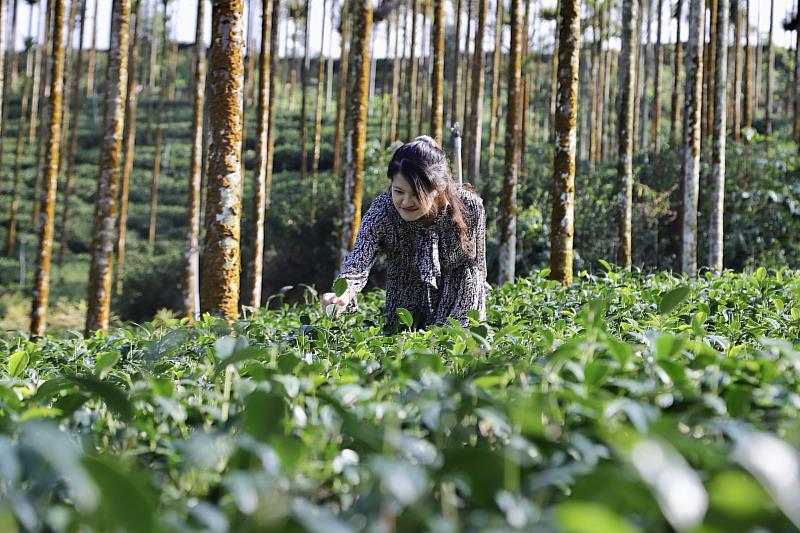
x,y
340,286
116,400
105,362
405,317
671,299
126,500
586,517
17,363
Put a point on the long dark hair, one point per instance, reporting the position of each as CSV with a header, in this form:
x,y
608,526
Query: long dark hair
x,y
424,164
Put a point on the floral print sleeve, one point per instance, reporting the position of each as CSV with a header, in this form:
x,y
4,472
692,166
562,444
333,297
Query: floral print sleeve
x,y
358,263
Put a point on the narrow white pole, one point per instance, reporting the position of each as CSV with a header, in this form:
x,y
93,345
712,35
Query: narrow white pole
x,y
456,130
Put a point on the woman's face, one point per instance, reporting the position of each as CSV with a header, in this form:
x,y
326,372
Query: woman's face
x,y
405,201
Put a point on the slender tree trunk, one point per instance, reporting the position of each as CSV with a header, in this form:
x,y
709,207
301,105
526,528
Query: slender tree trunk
x,y
293,66
68,68
341,88
747,108
770,69
423,64
90,68
476,106
372,78
220,273
105,210
191,285
329,75
35,87
675,107
38,98
41,286
455,95
250,69
304,68
554,82
497,58
468,73
396,64
508,206
129,143
72,147
438,71
162,96
561,226
716,231
262,149
708,71
358,74
411,126
737,69
657,84
318,121
797,85
11,237
594,76
758,53
645,77
12,50
625,110
691,137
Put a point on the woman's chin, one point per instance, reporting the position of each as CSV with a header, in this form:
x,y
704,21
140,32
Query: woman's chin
x,y
410,216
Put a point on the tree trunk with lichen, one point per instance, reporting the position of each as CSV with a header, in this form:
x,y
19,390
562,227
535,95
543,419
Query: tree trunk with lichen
x,y
476,106
191,284
715,230
260,191
129,143
220,273
358,74
625,110
437,94
691,137
563,214
41,284
342,88
497,59
315,151
72,147
508,205
105,209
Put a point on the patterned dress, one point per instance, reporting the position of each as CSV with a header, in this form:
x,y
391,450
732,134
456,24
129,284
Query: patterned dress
x,y
428,271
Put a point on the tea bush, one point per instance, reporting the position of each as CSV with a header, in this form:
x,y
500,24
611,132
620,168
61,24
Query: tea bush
x,y
627,402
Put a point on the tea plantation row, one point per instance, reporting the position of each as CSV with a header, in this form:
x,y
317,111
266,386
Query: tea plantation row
x,y
623,403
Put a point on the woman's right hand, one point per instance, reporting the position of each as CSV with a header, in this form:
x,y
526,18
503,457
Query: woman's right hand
x,y
330,298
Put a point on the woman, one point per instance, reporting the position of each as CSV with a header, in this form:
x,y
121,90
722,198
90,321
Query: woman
x,y
434,236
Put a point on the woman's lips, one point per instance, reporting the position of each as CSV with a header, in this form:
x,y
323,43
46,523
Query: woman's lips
x,y
408,210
